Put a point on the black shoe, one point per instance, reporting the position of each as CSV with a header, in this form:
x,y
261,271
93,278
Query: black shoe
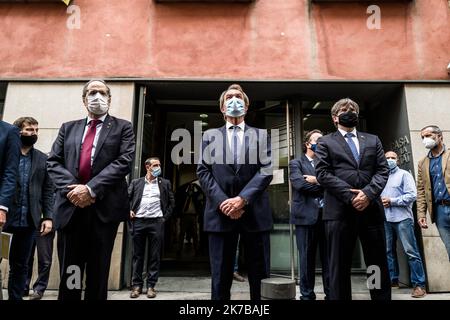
x,y
26,293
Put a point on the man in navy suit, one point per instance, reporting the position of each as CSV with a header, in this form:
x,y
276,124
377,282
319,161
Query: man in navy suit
x,y
88,164
352,169
9,166
234,173
306,214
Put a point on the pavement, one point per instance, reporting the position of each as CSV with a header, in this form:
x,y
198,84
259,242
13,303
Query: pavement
x,y
198,288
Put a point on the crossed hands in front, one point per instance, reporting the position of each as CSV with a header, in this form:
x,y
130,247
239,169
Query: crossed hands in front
x,y
360,201
79,195
233,207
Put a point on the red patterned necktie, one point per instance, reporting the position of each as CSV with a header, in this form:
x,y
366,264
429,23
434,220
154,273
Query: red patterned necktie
x,y
84,171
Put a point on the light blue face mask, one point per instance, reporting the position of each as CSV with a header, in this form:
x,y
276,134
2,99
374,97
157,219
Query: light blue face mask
x,y
156,172
235,107
392,163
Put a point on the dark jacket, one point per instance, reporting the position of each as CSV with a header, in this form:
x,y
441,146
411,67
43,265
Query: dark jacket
x,y
304,206
167,199
113,159
41,192
220,181
9,162
337,172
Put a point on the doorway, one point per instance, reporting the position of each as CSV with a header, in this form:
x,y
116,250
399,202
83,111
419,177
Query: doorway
x,y
164,106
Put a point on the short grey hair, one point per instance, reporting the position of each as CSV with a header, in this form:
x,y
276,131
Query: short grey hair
x,y
85,87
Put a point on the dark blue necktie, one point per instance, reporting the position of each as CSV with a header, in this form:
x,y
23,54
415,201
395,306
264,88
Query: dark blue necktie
x,y
235,144
352,145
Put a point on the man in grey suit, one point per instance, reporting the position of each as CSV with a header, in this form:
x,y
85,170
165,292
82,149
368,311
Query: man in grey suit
x,y
88,164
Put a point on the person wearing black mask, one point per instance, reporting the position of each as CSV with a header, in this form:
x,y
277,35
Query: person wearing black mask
x,y
353,171
32,206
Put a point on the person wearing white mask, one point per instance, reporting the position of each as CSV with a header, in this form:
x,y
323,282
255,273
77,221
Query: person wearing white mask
x,y
152,203
398,197
237,202
88,164
433,184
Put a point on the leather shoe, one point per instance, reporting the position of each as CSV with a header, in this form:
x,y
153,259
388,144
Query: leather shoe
x,y
36,296
395,285
151,293
418,292
135,292
238,277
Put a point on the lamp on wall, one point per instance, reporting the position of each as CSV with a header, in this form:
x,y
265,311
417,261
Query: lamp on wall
x,y
448,69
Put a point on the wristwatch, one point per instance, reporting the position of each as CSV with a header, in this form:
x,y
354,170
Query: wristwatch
x,y
245,200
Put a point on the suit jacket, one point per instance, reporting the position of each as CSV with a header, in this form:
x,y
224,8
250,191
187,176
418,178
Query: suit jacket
x,y
112,162
40,192
304,206
9,162
249,180
337,172
167,199
424,189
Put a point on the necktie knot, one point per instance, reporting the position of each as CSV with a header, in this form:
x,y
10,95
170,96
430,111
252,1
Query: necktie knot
x,y
349,135
94,123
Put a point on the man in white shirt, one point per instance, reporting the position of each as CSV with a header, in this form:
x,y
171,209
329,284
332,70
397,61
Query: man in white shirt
x,y
152,203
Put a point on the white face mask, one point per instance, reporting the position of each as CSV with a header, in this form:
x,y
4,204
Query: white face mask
x,y
97,104
429,143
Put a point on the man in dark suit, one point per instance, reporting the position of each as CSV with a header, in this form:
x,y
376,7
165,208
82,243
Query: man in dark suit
x,y
88,164
234,173
31,208
9,165
152,203
306,214
352,169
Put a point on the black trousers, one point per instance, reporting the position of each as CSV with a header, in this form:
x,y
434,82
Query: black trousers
x,y
153,230
222,255
85,243
20,251
309,238
44,247
341,238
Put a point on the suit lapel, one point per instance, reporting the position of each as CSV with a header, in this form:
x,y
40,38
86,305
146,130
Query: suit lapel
x,y
426,169
341,140
78,136
362,145
106,128
34,160
307,166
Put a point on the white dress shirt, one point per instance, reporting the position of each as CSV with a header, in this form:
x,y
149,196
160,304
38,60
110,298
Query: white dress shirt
x,y
94,144
240,132
97,133
150,206
354,138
